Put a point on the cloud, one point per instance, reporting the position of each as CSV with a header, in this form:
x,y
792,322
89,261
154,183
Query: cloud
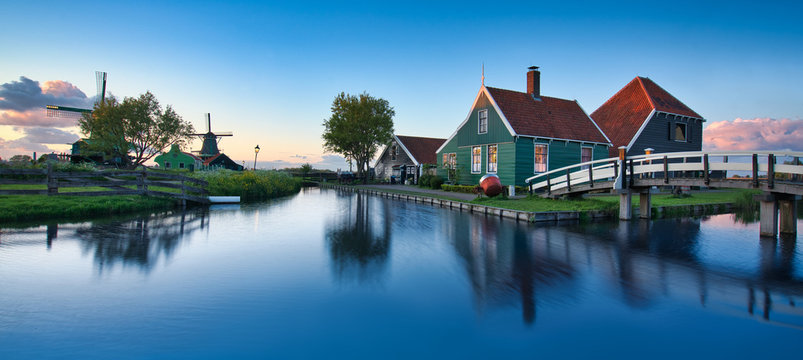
x,y
36,140
330,162
34,117
754,134
26,94
23,102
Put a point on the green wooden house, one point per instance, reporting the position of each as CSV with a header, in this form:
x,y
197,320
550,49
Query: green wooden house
x,y
516,135
177,159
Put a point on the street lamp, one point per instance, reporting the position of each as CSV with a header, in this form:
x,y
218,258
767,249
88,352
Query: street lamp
x,y
256,152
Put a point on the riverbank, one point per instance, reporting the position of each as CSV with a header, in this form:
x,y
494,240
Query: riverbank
x,y
536,209
19,208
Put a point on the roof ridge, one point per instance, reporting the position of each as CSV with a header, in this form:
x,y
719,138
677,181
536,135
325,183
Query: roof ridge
x,y
647,93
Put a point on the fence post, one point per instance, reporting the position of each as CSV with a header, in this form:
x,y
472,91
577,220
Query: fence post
x,y
630,180
770,171
568,180
590,175
666,170
52,182
755,170
706,178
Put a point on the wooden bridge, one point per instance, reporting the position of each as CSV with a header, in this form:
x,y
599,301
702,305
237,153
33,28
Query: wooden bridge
x,y
134,182
779,174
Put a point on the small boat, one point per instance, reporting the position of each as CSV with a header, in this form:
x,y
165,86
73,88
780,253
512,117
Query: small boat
x,y
224,199
491,185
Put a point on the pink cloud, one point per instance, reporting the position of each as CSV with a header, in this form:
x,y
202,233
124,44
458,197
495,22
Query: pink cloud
x,y
754,134
36,117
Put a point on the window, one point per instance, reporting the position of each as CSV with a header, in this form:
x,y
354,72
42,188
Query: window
x,y
585,155
492,158
680,132
476,159
452,160
393,152
181,165
445,162
541,157
482,122
167,164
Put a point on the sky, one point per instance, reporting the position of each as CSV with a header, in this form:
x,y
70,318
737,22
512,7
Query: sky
x,y
268,72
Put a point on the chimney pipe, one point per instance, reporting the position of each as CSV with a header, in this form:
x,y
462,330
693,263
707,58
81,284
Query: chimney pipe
x,y
534,82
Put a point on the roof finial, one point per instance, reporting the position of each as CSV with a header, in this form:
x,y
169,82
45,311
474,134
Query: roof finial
x,y
483,74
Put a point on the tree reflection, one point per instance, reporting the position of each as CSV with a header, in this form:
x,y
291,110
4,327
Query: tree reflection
x,y
359,240
139,242
508,265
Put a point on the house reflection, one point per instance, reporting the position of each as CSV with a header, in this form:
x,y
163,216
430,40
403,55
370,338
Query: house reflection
x,y
358,239
139,242
512,264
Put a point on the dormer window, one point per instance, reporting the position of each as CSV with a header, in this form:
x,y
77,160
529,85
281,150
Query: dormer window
x,y
482,122
393,152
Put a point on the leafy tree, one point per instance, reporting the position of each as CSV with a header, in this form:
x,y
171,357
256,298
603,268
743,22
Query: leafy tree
x,y
135,129
305,169
358,125
20,159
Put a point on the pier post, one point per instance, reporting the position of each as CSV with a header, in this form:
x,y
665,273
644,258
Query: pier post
x,y
625,205
768,214
645,204
787,207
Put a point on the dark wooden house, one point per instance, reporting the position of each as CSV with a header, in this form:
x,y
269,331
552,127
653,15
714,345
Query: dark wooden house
x,y
406,158
643,115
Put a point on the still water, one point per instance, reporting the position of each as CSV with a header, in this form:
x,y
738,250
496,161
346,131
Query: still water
x,y
340,275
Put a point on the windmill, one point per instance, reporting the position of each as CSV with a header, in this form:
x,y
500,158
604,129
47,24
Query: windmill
x,y
210,140
71,112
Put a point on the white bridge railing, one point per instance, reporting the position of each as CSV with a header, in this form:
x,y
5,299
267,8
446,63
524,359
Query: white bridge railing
x,y
753,165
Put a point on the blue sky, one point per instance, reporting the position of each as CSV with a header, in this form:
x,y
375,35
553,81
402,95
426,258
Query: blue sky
x,y
269,72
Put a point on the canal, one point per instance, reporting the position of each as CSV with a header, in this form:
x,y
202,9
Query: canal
x,y
343,275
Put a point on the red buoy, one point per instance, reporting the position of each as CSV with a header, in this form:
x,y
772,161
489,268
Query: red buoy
x,y
491,185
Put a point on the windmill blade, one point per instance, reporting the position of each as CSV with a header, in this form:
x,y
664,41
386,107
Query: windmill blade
x,y
208,122
100,79
225,133
65,112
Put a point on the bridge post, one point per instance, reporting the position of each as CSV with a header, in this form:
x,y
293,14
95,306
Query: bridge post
x,y
645,204
787,207
625,204
768,214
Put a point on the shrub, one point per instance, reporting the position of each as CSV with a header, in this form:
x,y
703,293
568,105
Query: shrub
x,y
436,182
249,185
468,189
424,180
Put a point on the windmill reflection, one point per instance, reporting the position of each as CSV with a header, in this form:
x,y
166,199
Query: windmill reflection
x,y
140,242
359,239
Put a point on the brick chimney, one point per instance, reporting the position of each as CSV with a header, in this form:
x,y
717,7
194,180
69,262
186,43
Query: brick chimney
x,y
534,82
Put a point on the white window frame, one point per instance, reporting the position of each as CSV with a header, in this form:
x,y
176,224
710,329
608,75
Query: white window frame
x,y
496,160
476,167
480,115
546,158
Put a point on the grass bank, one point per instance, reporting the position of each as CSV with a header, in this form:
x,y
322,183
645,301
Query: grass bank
x,y
250,186
14,208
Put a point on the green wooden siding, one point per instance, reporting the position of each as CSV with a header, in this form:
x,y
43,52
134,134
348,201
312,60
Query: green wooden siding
x,y
497,131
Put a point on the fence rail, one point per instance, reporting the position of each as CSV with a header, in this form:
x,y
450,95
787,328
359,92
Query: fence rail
x,y
756,169
139,182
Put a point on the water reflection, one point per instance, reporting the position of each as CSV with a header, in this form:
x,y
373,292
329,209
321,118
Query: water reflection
x,y
359,238
139,242
647,262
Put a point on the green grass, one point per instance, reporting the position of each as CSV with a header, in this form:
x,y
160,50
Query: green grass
x,y
538,204
15,208
250,185
697,198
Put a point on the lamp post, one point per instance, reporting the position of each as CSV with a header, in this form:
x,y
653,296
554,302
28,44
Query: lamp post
x,y
256,152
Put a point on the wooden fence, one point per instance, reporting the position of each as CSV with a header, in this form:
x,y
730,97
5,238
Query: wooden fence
x,y
135,182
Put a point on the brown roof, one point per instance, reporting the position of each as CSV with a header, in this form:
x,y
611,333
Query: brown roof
x,y
421,148
548,117
624,113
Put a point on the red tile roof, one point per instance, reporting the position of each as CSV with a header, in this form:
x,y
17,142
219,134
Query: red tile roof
x,y
421,148
548,117
209,160
624,113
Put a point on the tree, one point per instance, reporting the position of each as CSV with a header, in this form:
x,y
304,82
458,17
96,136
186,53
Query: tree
x,y
305,170
20,159
358,125
135,129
